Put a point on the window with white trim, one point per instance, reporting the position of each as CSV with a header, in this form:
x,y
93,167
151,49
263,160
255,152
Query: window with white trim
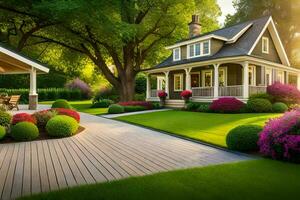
x,y
265,45
178,82
280,76
198,49
176,54
207,78
251,75
222,77
268,77
195,79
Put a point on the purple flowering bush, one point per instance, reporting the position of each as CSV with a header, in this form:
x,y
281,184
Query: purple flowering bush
x,y
285,93
80,85
226,105
280,138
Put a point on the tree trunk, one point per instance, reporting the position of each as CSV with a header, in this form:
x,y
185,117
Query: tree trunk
x,y
127,90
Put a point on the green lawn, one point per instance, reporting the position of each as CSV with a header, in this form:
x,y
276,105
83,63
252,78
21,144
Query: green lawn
x,y
84,106
208,127
250,180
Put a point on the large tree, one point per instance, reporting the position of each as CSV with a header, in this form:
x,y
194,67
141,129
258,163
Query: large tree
x,y
285,13
124,35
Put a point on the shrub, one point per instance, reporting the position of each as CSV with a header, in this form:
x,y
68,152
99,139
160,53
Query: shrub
x,y
102,103
146,104
140,85
106,93
226,105
61,126
80,85
279,107
23,117
186,94
133,108
288,94
68,112
24,131
203,108
155,105
243,138
194,106
259,105
280,137
42,117
261,96
5,119
61,103
115,109
2,132
139,97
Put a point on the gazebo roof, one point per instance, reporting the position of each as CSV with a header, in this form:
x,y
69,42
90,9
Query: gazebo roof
x,y
15,63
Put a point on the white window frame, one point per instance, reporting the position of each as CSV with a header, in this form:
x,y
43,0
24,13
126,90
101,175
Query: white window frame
x,y
160,80
198,73
203,78
269,72
224,69
179,54
280,78
252,69
265,41
201,49
203,54
181,82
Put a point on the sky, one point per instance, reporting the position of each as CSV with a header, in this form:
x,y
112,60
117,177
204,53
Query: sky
x,y
226,8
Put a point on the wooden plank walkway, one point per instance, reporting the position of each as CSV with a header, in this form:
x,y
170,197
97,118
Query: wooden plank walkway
x,y
107,150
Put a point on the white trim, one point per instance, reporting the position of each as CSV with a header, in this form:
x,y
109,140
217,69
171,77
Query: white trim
x,y
198,76
24,60
201,49
181,82
203,78
265,41
160,79
237,36
179,54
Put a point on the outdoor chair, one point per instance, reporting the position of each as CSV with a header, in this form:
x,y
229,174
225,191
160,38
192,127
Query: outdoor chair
x,y
14,102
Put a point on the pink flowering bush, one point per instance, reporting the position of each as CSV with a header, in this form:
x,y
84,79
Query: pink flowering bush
x,y
80,85
162,94
226,105
280,138
186,94
285,93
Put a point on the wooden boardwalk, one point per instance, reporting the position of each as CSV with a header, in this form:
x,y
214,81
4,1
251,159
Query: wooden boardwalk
x,y
107,150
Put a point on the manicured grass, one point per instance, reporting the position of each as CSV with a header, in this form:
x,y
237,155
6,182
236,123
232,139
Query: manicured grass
x,y
250,180
84,106
207,127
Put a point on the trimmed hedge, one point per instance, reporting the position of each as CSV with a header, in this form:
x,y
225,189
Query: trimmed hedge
x,y
2,132
5,118
198,106
133,108
102,103
259,105
62,126
61,103
115,109
279,107
24,131
243,138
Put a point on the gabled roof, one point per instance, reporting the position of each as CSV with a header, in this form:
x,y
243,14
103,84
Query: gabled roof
x,y
239,40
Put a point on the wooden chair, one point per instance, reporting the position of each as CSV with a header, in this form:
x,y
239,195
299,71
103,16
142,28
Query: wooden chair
x,y
14,102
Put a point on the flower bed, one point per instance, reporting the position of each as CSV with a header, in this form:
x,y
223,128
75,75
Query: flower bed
x,y
146,104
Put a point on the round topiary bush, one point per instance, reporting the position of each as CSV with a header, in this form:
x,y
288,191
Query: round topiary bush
x,y
24,131
61,103
115,109
2,132
243,138
68,112
62,126
279,107
259,105
5,119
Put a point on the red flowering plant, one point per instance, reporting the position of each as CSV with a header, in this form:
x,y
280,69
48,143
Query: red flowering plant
x,y
23,117
186,94
226,105
285,93
68,112
146,104
162,95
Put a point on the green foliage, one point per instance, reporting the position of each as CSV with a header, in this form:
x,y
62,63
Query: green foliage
x,y
5,118
139,97
133,108
61,103
203,108
156,105
102,103
279,107
42,117
198,106
259,105
243,138
62,126
2,132
24,131
115,109
140,84
261,96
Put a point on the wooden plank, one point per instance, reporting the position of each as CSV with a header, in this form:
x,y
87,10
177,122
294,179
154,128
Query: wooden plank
x,y
5,167
35,174
26,189
45,186
18,177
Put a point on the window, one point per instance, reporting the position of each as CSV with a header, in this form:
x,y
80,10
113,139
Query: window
x,y
222,77
265,45
251,75
176,54
178,82
207,78
195,79
268,77
161,83
280,76
199,49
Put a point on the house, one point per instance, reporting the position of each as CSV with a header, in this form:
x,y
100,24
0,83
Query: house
x,y
234,61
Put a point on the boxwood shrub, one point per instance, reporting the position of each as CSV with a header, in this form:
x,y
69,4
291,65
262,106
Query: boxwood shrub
x,y
24,131
5,118
102,103
2,132
61,126
243,138
279,107
133,108
61,103
115,109
259,105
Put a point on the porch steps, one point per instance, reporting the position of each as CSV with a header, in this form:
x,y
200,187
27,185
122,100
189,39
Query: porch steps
x,y
174,103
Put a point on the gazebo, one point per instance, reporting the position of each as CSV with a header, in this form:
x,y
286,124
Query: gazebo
x,y
15,63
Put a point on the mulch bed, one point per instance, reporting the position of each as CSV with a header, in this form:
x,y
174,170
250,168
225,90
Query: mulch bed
x,y
43,136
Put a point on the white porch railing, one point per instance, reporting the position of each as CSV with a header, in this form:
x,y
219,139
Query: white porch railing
x,y
232,91
257,89
203,92
154,93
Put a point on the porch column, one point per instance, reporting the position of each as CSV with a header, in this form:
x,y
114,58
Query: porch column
x,y
148,90
33,96
298,81
245,80
286,77
167,83
216,80
188,79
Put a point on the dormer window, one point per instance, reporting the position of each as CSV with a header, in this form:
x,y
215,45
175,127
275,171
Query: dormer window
x,y
176,54
199,49
265,45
